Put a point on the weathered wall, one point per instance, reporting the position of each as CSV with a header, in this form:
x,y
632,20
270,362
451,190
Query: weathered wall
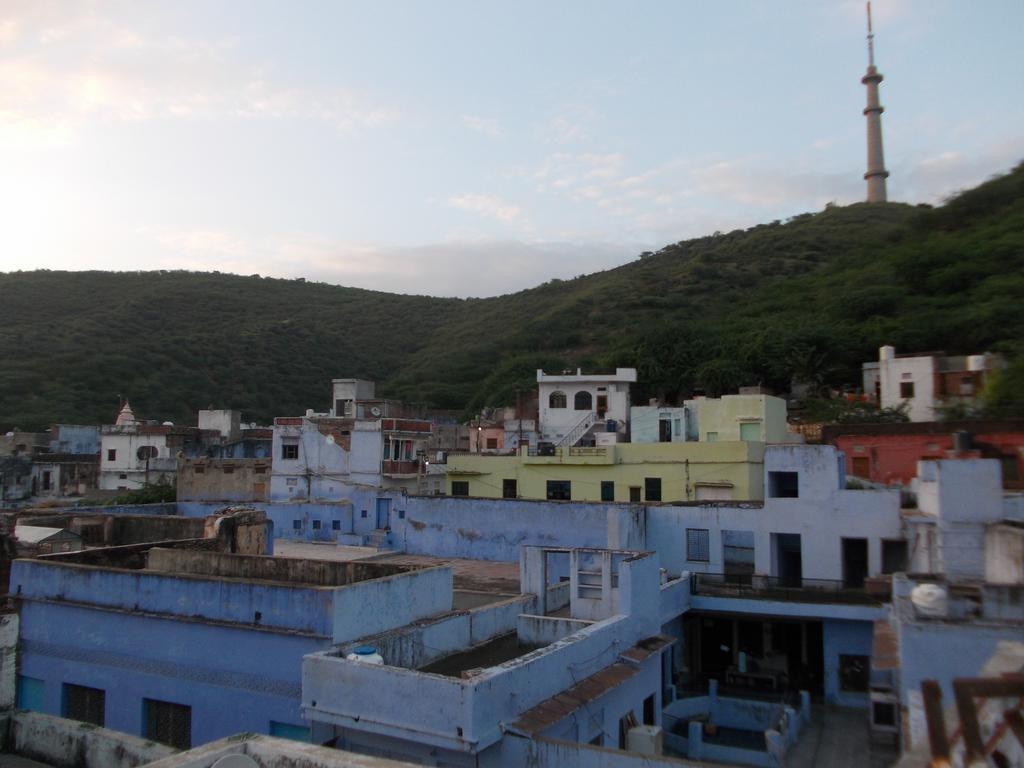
x,y
298,608
1004,554
369,607
232,480
416,645
235,678
8,659
544,630
71,744
321,573
495,529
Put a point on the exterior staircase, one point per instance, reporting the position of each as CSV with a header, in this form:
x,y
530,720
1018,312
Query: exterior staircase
x,y
574,435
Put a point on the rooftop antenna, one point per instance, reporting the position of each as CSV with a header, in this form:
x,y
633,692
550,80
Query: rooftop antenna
x,y
871,39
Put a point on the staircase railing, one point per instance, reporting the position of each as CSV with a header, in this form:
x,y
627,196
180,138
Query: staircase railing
x,y
573,435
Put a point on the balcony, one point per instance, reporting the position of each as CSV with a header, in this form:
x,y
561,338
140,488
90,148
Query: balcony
x,y
753,587
399,468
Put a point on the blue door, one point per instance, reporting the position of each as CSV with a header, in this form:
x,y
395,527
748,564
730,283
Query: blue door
x,y
383,513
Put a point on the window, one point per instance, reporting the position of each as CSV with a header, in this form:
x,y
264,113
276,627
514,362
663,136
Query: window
x,y
634,494
583,402
559,490
200,470
853,673
906,389
784,485
652,488
46,480
335,525
291,482
123,476
290,451
697,546
316,525
712,437
111,454
289,731
460,488
85,704
607,490
556,400
229,470
894,555
750,431
259,470
167,723
509,489
30,693
492,443
297,525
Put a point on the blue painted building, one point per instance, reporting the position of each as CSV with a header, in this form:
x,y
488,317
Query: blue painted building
x,y
185,645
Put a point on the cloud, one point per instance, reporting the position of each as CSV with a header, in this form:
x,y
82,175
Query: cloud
x,y
936,177
458,267
486,205
485,125
66,65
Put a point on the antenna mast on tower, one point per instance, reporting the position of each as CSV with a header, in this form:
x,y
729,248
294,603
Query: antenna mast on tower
x,y
876,173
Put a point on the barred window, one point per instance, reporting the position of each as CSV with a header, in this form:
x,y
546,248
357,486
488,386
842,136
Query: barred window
x,y
697,547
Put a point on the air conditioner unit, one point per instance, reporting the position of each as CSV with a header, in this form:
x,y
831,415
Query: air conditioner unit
x,y
645,740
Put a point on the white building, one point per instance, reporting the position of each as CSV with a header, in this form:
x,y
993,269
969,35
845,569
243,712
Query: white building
x,y
573,406
318,457
135,454
959,606
923,383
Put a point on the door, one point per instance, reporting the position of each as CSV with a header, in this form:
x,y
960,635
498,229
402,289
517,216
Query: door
x,y
602,406
383,514
664,431
855,562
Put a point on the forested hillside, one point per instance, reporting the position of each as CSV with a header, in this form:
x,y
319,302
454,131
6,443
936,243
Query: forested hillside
x,y
812,297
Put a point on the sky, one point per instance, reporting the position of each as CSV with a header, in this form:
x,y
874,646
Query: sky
x,y
473,148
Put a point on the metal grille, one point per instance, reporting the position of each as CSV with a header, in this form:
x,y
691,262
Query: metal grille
x,y
697,547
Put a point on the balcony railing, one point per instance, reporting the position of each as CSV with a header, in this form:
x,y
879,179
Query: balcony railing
x,y
746,586
389,467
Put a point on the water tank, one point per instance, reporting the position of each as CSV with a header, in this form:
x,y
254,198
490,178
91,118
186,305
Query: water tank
x,y
365,654
977,362
930,600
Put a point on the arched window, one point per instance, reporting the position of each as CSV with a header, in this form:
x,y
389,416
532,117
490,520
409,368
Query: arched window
x,y
557,400
583,401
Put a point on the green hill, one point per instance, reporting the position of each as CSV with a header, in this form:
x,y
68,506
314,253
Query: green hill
x,y
812,297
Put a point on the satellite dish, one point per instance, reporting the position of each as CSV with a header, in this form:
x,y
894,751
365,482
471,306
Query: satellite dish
x,y
235,761
375,411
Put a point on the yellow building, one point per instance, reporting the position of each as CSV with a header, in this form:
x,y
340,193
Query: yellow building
x,y
638,472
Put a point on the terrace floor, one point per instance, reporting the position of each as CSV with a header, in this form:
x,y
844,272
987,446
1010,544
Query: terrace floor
x,y
840,736
475,580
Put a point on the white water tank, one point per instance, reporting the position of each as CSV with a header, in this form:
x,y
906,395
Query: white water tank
x,y
644,740
365,654
930,600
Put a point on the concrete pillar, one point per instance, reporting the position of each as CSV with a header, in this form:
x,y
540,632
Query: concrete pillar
x,y
695,740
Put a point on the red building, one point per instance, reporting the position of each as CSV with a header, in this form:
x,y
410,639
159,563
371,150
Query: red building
x,y
888,453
